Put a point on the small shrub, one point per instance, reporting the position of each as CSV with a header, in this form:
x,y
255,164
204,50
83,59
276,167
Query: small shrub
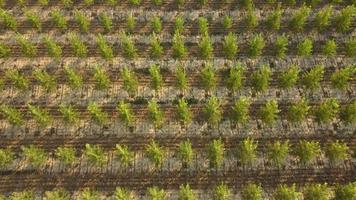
x,y
95,155
281,46
155,153
343,20
105,49
298,111
316,191
130,23
305,48
300,18
130,80
135,2
350,47
247,4
179,25
227,22
34,156
59,19
70,116
340,78
155,114
329,48
185,153
97,114
125,156
47,81
89,194
208,78
180,3
26,194
8,20
102,80
260,79
41,116
19,81
78,46
230,46
7,157
346,192
216,151
206,47
284,192
57,193
251,20
66,155
348,113
327,111
306,151
183,113
311,79
106,22
322,18
13,116
222,192
156,194
212,111
337,152
127,46
5,51
235,79
27,48
123,194
178,47
67,3
88,2
156,77
157,2
269,112
82,20
256,45
34,20
111,2
74,79
289,77
182,82
156,24
203,25
54,49
273,20
156,49
252,192
277,153
241,110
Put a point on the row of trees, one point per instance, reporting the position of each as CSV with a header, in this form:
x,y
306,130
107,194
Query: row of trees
x,y
246,153
254,47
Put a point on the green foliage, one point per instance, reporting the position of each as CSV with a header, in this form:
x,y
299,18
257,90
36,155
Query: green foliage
x,y
105,48
343,20
54,50
12,115
74,79
130,81
305,47
327,111
47,81
78,46
337,152
178,47
106,22
248,4
156,49
322,18
203,25
313,3
183,113
122,194
300,18
130,23
348,113
298,111
35,156
350,47
67,3
246,151
273,20
155,193
156,24
156,77
306,151
179,25
8,20
205,47
185,152
230,46
252,192
125,113
59,19
155,114
240,110
27,48
155,153
251,20
277,153
208,78
269,112
5,51
102,80
289,77
24,195
6,157
227,22
186,193
212,111
180,3
127,46
215,153
235,79
19,81
289,2
135,2
97,114
284,192
57,194
281,46
182,82
256,45
66,155
340,78
82,20
95,154
34,19
70,116
329,48
260,79
41,116
88,2
222,192
124,155
89,194
316,192
157,2
311,79
346,192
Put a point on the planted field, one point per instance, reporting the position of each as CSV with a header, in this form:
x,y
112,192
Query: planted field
x,y
177,99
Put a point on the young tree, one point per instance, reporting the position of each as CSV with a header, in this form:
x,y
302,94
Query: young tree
x,y
235,79
127,46
41,115
182,82
346,192
155,114
125,113
57,194
27,48
273,20
343,20
23,195
54,49
106,22
19,81
82,20
306,151
78,46
67,3
34,19
66,155
95,154
298,111
135,2
316,191
208,78
222,192
215,153
227,22
251,20
348,113
337,152
74,79
34,156
247,4
329,48
350,47
5,51
97,114
205,47
327,111
156,24
300,18
184,115
246,151
130,23
70,116
322,18
102,80
311,79
58,18
186,193
179,25
340,78
88,2
185,153
124,155
7,157
281,46
130,81
289,77
156,49
212,111
203,26
155,153
178,47
252,192
8,20
305,48
260,79
47,81
157,2
123,194
105,48
12,115
230,47
277,153
241,110
154,193
256,45
284,192
89,194
156,77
